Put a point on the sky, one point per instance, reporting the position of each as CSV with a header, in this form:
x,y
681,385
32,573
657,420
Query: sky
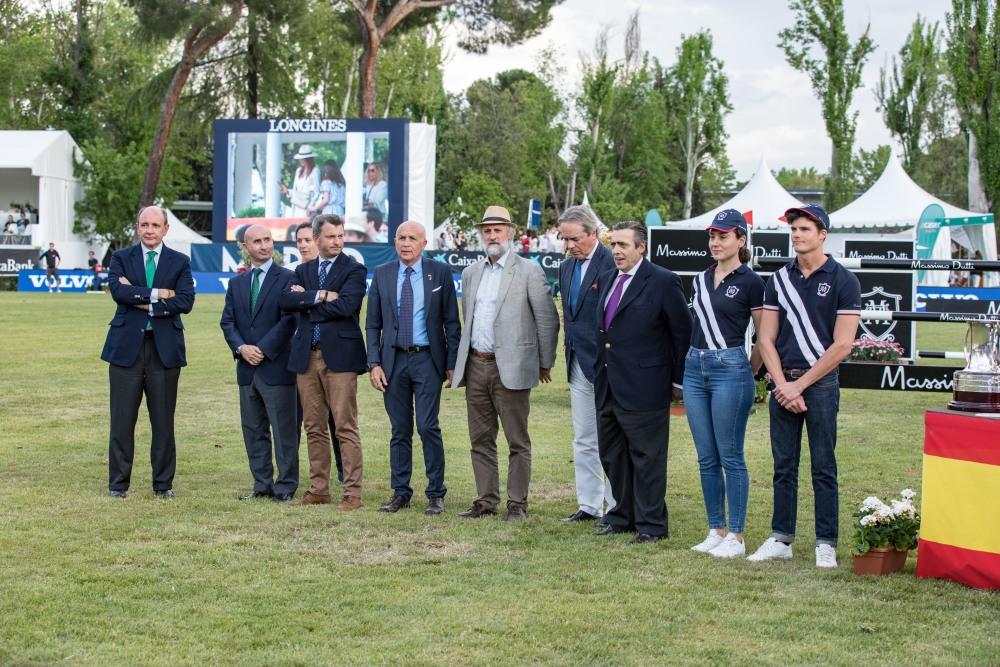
x,y
775,113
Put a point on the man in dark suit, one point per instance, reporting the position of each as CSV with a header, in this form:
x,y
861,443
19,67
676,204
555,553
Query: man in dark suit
x,y
413,334
328,353
645,329
152,286
258,333
580,286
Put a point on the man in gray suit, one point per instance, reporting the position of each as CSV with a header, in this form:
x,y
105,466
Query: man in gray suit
x,y
508,345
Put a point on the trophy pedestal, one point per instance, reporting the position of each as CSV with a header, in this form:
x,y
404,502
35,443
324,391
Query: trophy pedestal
x,y
976,392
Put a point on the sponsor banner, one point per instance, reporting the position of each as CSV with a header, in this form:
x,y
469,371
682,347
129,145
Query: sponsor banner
x,y
686,250
549,261
978,306
889,291
13,260
70,280
881,249
963,299
897,377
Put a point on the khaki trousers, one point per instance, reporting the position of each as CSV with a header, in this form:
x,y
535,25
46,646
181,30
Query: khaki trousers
x,y
486,399
323,392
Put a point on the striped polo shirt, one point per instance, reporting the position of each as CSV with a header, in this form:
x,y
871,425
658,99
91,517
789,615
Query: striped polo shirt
x,y
722,314
808,308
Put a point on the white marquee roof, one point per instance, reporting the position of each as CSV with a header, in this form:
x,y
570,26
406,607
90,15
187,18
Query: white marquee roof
x,y
762,195
893,201
44,152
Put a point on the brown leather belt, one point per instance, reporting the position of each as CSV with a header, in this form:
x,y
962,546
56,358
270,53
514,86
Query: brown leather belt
x,y
488,356
794,372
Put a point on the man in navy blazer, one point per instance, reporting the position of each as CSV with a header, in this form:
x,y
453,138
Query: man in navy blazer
x,y
258,332
413,334
152,286
328,353
580,284
645,329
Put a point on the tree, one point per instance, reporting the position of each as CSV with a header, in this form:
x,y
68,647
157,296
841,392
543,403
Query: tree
x,y
907,91
203,25
697,98
806,178
869,165
72,74
835,74
974,64
27,44
484,22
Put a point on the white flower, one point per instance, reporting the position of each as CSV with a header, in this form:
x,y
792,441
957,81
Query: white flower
x,y
908,493
866,519
871,503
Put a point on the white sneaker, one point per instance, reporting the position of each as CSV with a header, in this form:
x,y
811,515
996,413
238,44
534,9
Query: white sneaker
x,y
730,547
826,556
713,540
770,550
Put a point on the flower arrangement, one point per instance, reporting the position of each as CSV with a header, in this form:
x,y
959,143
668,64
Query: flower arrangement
x,y
886,526
866,349
762,387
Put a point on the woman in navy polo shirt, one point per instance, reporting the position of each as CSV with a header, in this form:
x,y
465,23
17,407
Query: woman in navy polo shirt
x,y
718,379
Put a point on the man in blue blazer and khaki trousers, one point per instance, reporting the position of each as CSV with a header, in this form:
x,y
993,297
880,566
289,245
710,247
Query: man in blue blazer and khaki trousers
x,y
413,333
153,287
328,353
258,333
580,277
644,334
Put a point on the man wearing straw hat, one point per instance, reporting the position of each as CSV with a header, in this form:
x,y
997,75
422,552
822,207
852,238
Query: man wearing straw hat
x,y
508,346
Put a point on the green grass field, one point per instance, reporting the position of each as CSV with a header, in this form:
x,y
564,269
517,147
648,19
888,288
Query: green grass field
x,y
207,579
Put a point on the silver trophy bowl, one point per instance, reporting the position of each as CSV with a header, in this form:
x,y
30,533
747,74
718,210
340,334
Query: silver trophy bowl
x,y
977,386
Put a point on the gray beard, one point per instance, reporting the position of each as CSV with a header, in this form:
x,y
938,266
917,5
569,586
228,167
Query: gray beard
x,y
497,250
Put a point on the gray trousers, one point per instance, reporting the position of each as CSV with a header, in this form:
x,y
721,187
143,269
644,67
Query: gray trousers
x,y
486,400
267,410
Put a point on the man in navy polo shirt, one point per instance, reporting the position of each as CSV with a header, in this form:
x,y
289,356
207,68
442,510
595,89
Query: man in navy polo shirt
x,y
811,311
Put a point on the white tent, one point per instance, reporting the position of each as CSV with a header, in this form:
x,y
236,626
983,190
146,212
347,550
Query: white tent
x,y
36,167
895,203
763,196
179,236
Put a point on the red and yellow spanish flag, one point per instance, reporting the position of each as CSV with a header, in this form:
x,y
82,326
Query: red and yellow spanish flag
x,y
960,510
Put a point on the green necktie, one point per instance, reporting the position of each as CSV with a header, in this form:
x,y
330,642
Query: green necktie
x,y
255,289
150,272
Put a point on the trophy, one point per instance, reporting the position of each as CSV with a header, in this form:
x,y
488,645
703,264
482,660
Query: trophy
x,y
977,386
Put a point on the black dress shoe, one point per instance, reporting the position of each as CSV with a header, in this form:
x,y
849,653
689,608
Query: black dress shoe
x,y
516,513
602,522
608,530
282,497
395,504
579,515
256,495
169,493
477,511
115,493
646,538
434,506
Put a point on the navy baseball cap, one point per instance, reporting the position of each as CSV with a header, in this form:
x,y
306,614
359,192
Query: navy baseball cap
x,y
727,220
811,211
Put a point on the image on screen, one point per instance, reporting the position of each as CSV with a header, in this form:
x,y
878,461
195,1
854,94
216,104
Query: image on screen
x,y
284,179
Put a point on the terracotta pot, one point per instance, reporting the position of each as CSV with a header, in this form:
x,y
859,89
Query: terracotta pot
x,y
882,560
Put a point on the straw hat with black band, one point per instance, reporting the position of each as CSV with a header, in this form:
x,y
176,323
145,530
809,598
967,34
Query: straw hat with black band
x,y
495,215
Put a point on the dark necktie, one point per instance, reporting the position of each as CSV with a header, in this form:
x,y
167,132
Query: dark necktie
x,y
150,273
254,289
405,336
574,288
616,298
323,267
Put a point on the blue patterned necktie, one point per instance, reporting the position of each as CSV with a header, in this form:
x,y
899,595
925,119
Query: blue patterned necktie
x,y
574,288
323,267
405,336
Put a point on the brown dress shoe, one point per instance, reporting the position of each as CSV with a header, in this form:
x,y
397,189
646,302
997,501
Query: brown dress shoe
x,y
477,511
516,513
350,503
314,499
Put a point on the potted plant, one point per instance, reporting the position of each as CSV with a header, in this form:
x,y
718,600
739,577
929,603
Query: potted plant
x,y
884,534
880,351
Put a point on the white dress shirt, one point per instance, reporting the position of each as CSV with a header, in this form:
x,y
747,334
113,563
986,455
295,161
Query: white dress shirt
x,y
485,311
153,298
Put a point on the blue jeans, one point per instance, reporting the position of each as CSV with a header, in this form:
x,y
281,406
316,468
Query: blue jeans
x,y
820,419
718,394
